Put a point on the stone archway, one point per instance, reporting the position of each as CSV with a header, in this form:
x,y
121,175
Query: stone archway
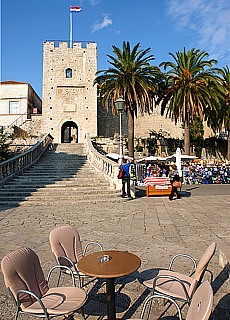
x,y
69,132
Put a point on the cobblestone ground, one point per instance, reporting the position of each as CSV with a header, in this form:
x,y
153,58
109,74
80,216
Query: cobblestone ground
x,y
152,228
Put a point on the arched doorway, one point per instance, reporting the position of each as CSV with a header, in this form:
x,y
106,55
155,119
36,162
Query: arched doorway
x,y
69,132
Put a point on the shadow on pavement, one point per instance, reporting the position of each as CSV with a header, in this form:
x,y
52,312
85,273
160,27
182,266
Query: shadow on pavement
x,y
140,192
185,194
220,279
136,304
222,310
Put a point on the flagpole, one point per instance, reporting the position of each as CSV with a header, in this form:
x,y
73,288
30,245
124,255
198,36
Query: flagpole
x,y
71,30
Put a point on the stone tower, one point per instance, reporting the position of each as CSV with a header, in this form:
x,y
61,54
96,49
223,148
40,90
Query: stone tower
x,y
69,99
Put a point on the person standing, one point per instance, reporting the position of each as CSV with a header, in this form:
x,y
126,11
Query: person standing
x,y
175,182
149,170
126,178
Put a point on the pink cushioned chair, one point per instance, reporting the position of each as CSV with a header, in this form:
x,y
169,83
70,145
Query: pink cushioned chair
x,y
24,277
177,286
66,245
200,307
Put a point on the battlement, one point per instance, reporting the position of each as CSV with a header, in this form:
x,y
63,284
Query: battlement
x,y
52,44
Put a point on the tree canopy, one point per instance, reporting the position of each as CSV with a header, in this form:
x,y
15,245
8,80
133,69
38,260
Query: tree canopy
x,y
132,77
191,86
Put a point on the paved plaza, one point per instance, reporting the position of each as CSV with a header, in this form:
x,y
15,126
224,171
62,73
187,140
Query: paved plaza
x,y
153,228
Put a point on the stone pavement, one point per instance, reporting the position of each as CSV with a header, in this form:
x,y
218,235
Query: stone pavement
x,y
153,228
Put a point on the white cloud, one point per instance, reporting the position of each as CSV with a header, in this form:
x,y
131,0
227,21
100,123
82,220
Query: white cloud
x,y
209,18
94,2
101,25
91,2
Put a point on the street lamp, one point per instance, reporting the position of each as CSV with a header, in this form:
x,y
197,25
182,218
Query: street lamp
x,y
120,105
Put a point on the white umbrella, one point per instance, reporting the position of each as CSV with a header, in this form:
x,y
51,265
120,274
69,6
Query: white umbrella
x,y
183,157
116,156
152,158
178,161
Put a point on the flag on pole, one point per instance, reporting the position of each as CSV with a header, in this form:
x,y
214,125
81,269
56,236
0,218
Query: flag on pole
x,y
75,9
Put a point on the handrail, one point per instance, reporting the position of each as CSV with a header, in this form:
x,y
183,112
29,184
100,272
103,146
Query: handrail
x,y
102,164
22,117
17,164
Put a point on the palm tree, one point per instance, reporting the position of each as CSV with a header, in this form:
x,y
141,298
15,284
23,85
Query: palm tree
x,y
188,91
132,77
225,72
220,117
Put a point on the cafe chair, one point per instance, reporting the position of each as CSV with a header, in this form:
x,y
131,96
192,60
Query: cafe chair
x,y
177,286
199,309
67,248
25,279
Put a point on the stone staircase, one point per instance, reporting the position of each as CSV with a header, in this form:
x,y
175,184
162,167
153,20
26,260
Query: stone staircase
x,y
63,175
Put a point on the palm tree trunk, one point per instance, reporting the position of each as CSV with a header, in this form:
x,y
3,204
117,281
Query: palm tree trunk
x,y
187,137
228,147
131,132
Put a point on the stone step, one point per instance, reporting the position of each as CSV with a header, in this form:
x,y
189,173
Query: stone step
x,y
57,197
60,164
81,174
55,174
62,176
47,171
12,204
55,191
59,183
72,159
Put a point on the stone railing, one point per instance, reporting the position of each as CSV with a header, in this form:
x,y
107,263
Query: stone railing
x,y
14,166
102,164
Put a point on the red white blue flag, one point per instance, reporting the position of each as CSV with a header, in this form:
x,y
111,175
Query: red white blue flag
x,y
75,9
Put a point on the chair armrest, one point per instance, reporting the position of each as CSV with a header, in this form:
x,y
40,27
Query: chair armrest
x,y
184,256
159,296
67,268
92,243
33,295
172,278
67,259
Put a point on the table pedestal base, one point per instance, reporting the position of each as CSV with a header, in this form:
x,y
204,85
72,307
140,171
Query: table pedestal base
x,y
110,299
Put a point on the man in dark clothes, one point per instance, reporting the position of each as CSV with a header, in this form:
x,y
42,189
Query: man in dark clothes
x,y
126,177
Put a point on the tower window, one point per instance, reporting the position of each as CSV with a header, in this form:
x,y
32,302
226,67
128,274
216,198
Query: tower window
x,y
68,73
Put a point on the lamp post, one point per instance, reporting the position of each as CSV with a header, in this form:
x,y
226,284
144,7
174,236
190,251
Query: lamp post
x,y
120,105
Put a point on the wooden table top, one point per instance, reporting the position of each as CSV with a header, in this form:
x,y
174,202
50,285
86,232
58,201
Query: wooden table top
x,y
121,263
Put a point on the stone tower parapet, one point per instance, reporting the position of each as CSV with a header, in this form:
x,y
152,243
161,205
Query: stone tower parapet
x,y
69,97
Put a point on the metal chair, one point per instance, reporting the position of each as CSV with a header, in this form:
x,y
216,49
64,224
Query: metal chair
x,y
66,245
200,307
177,286
25,279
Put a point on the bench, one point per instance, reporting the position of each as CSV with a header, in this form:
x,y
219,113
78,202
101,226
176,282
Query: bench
x,y
157,186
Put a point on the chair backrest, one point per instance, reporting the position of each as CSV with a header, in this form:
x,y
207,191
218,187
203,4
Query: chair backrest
x,y
65,241
204,261
202,303
202,266
22,271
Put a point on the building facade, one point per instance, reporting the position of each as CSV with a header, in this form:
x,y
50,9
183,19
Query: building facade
x,y
18,101
69,95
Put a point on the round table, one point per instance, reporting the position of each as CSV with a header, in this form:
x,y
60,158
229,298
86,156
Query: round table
x,y
121,263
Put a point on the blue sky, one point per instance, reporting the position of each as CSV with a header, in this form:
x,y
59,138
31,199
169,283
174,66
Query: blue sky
x,y
163,25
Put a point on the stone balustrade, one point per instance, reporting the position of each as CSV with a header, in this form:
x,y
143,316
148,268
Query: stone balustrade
x,y
102,164
15,165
